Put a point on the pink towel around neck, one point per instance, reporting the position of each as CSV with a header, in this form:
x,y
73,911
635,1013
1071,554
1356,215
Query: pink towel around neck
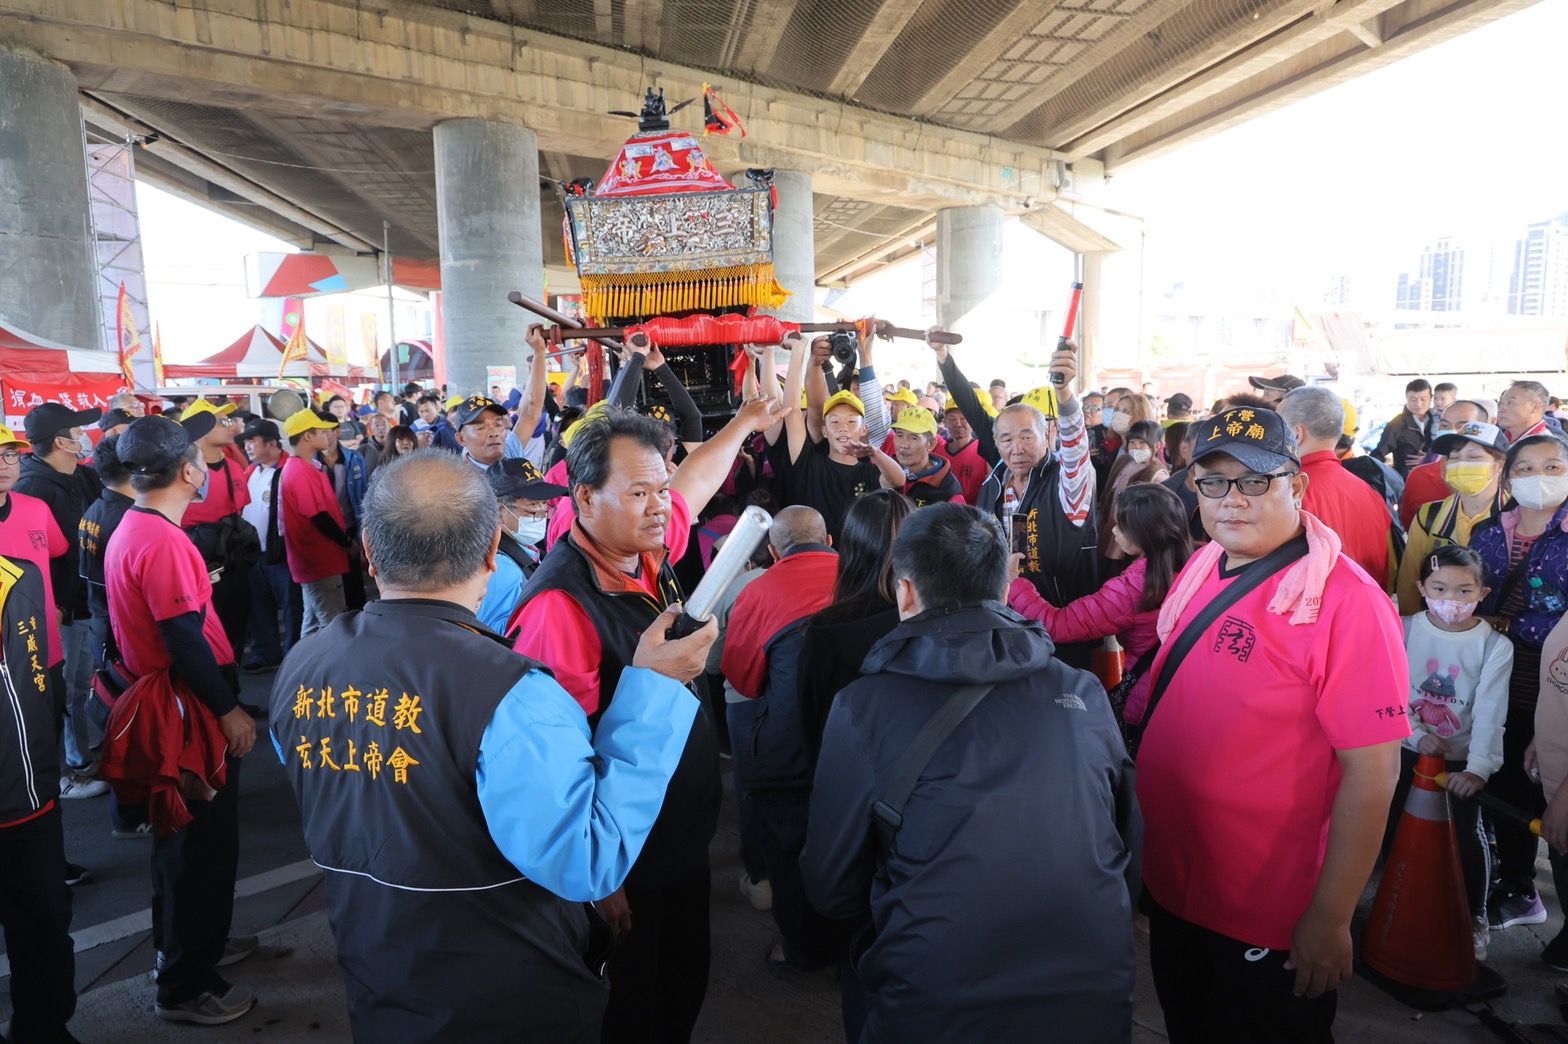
x,y
1300,591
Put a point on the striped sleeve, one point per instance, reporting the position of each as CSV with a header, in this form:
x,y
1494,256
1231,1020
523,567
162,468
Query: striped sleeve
x,y
1077,483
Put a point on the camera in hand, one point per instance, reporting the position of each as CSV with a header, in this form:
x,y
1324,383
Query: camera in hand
x,y
846,346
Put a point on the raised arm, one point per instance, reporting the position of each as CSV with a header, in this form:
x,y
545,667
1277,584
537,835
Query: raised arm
x,y
688,417
623,391
816,386
707,466
968,404
795,426
1076,488
533,402
876,408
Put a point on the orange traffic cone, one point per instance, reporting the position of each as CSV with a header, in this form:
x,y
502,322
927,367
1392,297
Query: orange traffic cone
x,y
1109,662
1419,932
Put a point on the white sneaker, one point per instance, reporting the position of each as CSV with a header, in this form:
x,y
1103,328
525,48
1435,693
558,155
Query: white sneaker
x,y
209,1009
81,785
758,893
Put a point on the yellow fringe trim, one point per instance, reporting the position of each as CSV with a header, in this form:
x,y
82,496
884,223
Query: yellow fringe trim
x,y
664,293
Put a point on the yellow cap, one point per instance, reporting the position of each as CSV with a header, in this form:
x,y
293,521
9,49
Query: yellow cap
x,y
301,422
452,403
844,398
592,413
1042,398
916,420
201,406
903,395
1350,417
7,440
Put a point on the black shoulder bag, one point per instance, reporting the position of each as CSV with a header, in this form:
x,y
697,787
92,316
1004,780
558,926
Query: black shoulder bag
x,y
1252,576
275,553
887,812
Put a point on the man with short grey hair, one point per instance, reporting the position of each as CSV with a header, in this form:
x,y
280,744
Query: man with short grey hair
x,y
458,802
1521,412
1339,499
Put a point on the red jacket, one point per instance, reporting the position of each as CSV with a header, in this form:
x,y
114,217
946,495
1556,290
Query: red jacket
x,y
969,468
1352,509
1423,485
793,588
155,733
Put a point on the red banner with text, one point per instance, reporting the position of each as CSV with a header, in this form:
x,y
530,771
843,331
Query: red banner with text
x,y
79,393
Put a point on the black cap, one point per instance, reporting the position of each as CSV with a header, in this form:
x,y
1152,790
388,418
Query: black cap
x,y
1179,401
1285,382
48,420
113,419
261,428
152,444
1259,439
514,477
198,425
470,409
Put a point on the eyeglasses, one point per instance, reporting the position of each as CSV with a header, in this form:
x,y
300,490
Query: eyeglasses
x,y
10,457
1217,487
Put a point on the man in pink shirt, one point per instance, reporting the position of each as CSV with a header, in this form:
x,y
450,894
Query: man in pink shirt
x,y
1269,758
314,532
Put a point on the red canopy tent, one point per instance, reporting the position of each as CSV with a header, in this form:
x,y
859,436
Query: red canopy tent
x,y
255,355
34,370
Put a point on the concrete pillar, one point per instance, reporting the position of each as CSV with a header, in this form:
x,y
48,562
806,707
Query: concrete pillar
x,y
48,269
1089,317
487,206
968,265
794,245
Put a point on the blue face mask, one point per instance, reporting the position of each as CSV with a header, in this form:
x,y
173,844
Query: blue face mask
x,y
206,480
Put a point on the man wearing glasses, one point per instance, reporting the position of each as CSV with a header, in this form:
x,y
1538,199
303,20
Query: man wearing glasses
x,y
1270,751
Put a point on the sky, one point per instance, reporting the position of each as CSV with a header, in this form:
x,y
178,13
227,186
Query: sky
x,y
1459,139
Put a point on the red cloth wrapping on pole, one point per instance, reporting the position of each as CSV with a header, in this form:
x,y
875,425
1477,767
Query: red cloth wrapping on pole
x,y
708,329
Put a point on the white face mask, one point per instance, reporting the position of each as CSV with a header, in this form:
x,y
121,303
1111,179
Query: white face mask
x,y
1540,492
530,530
1140,456
1120,422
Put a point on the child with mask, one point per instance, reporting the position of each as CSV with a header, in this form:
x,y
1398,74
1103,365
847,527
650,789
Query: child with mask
x,y
1459,668
1472,456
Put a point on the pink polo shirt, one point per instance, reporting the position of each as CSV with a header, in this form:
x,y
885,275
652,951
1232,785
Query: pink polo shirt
x,y
1237,772
30,533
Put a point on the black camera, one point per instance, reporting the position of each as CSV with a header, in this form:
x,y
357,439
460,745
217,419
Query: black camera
x,y
845,346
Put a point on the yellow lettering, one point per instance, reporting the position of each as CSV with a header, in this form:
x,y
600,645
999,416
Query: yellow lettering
x,y
302,703
376,713
324,706
40,682
400,762
349,765
373,759
303,748
32,643
350,698
326,755
406,714
1255,431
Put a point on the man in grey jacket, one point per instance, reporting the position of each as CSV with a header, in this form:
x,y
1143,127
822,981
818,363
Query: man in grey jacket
x,y
1002,906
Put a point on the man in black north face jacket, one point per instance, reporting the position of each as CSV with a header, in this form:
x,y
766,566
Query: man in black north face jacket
x,y
1003,908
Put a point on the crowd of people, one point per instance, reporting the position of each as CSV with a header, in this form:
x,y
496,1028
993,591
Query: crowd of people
x,y
508,755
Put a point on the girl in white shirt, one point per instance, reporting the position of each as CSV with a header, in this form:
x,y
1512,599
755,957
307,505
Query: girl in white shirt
x,y
1459,669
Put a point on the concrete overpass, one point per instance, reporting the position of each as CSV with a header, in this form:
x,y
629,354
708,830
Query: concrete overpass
x,y
892,122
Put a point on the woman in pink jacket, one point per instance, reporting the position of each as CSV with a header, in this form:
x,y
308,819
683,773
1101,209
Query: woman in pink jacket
x,y
1151,527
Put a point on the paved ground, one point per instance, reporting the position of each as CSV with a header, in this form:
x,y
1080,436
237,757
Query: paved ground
x,y
296,976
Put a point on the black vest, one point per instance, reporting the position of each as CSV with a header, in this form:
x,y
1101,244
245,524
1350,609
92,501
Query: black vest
x,y
676,851
1062,560
439,935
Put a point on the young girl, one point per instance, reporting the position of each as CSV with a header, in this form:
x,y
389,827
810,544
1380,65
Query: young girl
x,y
1459,670
1151,527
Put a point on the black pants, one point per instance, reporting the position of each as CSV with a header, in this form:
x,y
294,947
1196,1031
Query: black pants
x,y
809,938
35,908
1517,848
1216,990
231,601
193,874
659,975
1475,857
